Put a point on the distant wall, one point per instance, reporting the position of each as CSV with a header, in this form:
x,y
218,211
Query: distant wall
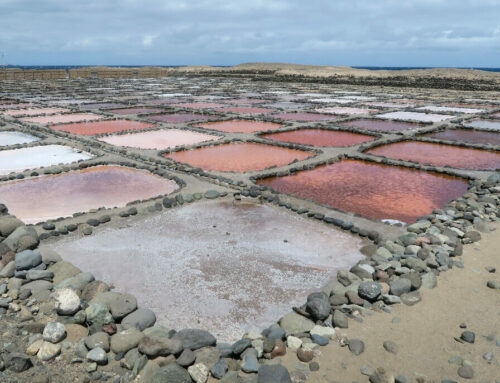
x,y
89,72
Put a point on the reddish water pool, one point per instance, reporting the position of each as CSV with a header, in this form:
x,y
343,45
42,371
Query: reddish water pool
x,y
245,110
179,118
240,126
158,139
133,111
102,127
63,118
304,117
372,190
440,155
48,197
379,125
239,157
467,135
320,137
199,105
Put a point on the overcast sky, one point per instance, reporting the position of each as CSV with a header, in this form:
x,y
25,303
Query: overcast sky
x,y
459,33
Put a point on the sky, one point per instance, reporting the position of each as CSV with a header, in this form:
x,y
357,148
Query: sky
x,y
447,33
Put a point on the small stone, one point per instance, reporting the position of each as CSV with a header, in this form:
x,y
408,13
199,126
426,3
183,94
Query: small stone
x,y
99,339
489,357
369,290
314,366
367,370
411,298
456,359
293,343
186,358
319,340
429,280
468,336
318,305
273,374
198,372
401,379
219,369
294,323
250,364
98,313
241,345
340,319
17,362
97,355
391,347
67,302
324,331
305,355
54,332
279,348
27,259
492,284
356,346
211,194
466,372
195,338
400,286
48,351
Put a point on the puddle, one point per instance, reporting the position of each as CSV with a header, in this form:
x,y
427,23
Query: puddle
x,y
379,125
179,118
62,118
346,110
16,138
415,116
32,111
244,110
133,111
440,155
49,197
102,127
372,190
320,137
18,160
304,117
240,126
484,124
158,139
467,135
221,266
239,157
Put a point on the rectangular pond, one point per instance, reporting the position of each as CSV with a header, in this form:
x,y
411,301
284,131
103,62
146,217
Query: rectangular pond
x,y
453,109
62,118
304,117
16,138
380,125
415,116
18,160
158,139
320,137
225,267
484,124
127,111
179,118
245,110
440,155
48,197
372,190
238,157
240,126
346,110
32,111
102,127
198,105
467,135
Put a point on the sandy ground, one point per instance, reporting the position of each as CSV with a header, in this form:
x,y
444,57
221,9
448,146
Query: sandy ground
x,y
425,332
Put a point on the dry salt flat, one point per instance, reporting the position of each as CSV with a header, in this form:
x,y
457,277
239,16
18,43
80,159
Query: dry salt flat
x,y
415,116
16,138
328,100
346,110
435,108
37,156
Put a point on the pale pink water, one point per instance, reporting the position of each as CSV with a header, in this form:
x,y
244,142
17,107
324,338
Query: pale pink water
x,y
133,111
320,137
178,118
63,118
159,139
244,110
199,105
33,111
240,126
305,117
102,127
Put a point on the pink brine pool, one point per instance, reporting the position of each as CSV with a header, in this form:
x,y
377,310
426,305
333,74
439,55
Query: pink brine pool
x,y
49,197
178,118
467,135
63,118
305,117
199,105
102,127
158,139
33,111
379,125
245,110
239,157
320,137
440,155
372,190
240,126
133,111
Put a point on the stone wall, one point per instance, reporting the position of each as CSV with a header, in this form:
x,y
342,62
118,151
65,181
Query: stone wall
x,y
87,72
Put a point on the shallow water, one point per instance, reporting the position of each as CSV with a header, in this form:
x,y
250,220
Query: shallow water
x,y
32,111
63,118
19,160
199,105
158,139
467,135
440,155
372,190
484,124
346,110
320,137
49,197
415,116
102,127
15,138
101,106
434,108
245,110
304,117
380,125
178,118
240,126
219,266
238,157
126,111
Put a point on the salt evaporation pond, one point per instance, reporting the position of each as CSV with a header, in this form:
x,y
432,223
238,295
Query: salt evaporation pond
x,y
467,135
101,106
102,127
304,117
240,126
199,105
238,157
179,118
346,110
18,160
434,108
380,125
415,116
62,118
440,155
16,138
245,110
372,190
32,111
133,111
158,139
49,197
484,124
245,101
221,266
320,137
